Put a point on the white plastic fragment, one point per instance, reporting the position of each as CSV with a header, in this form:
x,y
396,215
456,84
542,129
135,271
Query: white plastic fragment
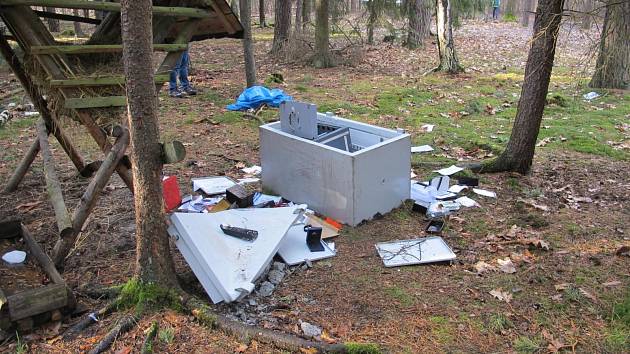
x,y
456,188
421,148
14,257
449,170
213,185
253,170
427,127
467,202
485,193
591,95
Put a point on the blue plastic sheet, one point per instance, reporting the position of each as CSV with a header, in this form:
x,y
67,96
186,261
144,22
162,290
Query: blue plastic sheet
x,y
255,96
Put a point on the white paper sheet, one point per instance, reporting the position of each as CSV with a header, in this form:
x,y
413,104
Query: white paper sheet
x,y
456,188
427,127
213,185
421,148
467,202
253,170
248,180
485,193
449,170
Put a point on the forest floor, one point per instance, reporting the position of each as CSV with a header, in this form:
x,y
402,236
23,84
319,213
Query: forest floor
x,y
573,296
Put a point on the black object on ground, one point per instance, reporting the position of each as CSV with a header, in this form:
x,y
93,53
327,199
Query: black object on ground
x,y
468,181
239,232
239,195
314,238
435,227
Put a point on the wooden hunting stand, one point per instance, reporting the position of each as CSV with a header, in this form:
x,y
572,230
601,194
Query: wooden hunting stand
x,y
62,78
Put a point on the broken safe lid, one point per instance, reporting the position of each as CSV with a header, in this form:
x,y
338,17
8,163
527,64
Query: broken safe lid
x,y
417,251
226,266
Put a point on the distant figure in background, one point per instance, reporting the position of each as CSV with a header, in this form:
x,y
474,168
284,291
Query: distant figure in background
x,y
495,9
181,71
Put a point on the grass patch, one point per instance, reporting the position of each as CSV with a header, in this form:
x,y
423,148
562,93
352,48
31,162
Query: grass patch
x,y
400,295
441,329
499,322
618,332
524,345
166,335
362,348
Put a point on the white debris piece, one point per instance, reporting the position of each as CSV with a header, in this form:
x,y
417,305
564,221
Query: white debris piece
x,y
485,193
456,188
213,185
14,257
421,148
293,248
418,251
591,95
449,170
253,170
467,202
427,127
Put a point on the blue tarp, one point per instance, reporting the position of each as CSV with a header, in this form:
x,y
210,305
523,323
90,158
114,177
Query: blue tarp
x,y
255,96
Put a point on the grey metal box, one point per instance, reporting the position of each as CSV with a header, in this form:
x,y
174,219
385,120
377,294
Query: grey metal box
x,y
347,186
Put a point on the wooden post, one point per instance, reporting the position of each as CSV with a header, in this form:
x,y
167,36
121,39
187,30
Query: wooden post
x,y
52,183
90,196
22,168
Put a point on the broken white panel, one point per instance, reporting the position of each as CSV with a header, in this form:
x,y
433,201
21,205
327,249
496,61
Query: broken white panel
x,y
213,185
467,202
456,188
427,127
260,198
294,250
253,170
226,266
421,148
449,170
485,193
417,251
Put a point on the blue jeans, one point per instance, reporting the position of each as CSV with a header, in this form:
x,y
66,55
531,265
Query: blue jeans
x,y
495,13
180,70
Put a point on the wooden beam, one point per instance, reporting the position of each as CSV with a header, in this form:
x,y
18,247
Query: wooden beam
x,y
35,301
96,102
99,81
64,17
110,6
99,48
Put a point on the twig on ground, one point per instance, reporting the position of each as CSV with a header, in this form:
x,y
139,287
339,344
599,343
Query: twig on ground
x,y
88,320
124,325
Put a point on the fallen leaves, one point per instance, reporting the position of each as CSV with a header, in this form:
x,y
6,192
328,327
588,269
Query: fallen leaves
x,y
501,295
506,265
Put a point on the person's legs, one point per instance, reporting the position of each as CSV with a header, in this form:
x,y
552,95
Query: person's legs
x,y
172,85
183,75
495,13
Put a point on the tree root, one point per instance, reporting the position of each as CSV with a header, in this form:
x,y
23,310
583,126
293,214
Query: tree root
x,y
88,320
202,312
147,346
124,325
100,292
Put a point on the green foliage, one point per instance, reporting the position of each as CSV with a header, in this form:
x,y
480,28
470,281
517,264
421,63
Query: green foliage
x,y
499,322
20,347
147,297
618,333
509,17
362,348
400,295
524,345
166,335
68,32
275,78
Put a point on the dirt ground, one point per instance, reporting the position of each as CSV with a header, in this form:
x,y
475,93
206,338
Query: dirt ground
x,y
562,226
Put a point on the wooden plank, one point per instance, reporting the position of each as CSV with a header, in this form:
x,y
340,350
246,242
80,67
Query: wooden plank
x,y
109,6
42,258
64,17
99,81
98,48
35,301
96,102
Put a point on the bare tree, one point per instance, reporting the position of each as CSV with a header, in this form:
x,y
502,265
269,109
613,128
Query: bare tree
x,y
374,6
612,69
445,42
282,25
153,259
53,23
261,13
527,8
419,14
77,25
322,58
248,50
519,152
298,15
307,7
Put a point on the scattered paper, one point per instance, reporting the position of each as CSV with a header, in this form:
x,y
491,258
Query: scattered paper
x,y
467,202
213,185
485,193
253,170
421,148
260,198
456,188
449,170
427,127
591,95
31,114
197,204
14,257
248,180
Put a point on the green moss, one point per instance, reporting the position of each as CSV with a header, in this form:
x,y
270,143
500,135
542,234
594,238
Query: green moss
x,y
526,345
146,297
400,295
362,348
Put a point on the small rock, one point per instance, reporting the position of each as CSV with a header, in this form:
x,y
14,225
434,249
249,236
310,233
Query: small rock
x,y
310,330
266,289
275,276
252,302
279,266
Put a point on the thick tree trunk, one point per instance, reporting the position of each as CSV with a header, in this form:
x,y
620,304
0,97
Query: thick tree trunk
x,y
587,16
298,15
282,25
519,152
446,45
77,25
53,24
248,46
419,15
261,14
307,8
612,69
354,5
372,18
153,259
234,6
322,58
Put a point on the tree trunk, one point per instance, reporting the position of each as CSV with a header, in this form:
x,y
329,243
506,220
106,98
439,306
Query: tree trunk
x,y
298,15
612,69
419,16
354,5
527,8
446,46
153,259
373,16
307,7
322,58
53,23
282,25
234,6
261,13
248,50
587,16
77,25
519,152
